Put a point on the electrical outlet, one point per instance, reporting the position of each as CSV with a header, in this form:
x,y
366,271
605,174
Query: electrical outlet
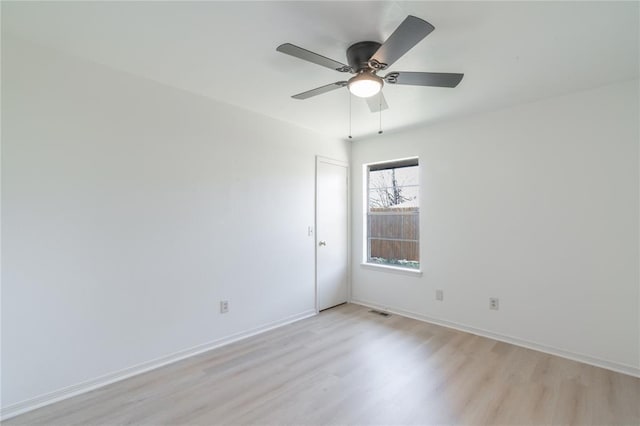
x,y
439,295
224,306
494,303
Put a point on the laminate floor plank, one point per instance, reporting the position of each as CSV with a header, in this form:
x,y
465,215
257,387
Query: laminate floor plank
x,y
349,366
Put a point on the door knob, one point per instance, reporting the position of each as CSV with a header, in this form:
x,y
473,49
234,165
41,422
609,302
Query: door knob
x,y
322,243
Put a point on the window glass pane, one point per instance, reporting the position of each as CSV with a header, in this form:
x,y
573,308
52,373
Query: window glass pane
x,y
391,198
410,227
380,178
403,177
393,187
396,253
385,226
407,175
393,216
398,226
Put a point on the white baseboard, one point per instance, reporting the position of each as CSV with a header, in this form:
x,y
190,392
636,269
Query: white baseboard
x,y
89,385
586,359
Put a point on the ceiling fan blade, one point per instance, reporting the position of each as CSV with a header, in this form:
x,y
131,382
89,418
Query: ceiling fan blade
x,y
377,103
407,35
438,79
320,90
310,56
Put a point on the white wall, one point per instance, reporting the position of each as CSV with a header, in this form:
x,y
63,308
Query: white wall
x,y
130,209
536,205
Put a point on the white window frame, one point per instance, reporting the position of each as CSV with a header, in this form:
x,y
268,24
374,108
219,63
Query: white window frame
x,y
366,239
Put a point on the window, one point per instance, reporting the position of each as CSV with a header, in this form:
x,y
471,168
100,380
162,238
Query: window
x,y
393,214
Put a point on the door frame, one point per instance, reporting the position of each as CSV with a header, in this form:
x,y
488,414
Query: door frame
x,y
327,160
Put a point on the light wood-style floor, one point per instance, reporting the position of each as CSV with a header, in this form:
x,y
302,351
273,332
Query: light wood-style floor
x,y
349,366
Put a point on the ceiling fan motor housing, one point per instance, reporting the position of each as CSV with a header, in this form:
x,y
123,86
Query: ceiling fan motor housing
x,y
358,54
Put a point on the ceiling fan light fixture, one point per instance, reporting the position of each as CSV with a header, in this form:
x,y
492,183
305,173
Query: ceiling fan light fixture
x,y
365,84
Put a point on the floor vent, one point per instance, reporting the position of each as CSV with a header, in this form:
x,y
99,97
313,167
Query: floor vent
x,y
382,314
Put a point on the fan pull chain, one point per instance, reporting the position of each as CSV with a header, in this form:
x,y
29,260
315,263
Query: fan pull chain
x,y
380,109
350,137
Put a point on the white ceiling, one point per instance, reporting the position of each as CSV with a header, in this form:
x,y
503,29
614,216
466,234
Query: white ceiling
x,y
510,52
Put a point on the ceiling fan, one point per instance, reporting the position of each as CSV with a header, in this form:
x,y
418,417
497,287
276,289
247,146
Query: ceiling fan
x,y
367,58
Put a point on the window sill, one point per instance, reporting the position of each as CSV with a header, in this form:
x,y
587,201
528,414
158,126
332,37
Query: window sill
x,y
392,269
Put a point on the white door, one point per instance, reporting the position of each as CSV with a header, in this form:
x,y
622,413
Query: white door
x,y
331,233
